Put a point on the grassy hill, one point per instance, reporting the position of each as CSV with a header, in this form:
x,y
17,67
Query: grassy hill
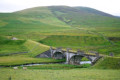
x,y
83,16
54,18
58,26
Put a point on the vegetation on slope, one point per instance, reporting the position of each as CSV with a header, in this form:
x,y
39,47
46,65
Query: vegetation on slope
x,y
35,48
29,21
84,16
41,22
8,46
77,41
85,43
108,63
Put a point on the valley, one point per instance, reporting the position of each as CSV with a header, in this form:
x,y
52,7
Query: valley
x,y
38,28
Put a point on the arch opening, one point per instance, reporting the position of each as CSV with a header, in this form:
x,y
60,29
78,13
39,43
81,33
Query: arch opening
x,y
78,59
75,59
58,55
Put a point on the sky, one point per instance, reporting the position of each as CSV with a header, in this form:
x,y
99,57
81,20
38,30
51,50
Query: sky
x,y
108,6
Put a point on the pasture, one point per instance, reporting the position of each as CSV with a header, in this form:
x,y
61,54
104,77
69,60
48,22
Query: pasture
x,y
71,74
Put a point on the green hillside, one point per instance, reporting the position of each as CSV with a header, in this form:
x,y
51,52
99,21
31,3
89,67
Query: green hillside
x,y
108,63
83,16
74,41
8,46
30,20
54,18
38,28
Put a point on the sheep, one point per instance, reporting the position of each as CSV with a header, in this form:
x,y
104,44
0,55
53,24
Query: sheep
x,y
15,68
24,68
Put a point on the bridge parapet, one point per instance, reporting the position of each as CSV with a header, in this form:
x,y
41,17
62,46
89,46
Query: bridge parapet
x,y
80,52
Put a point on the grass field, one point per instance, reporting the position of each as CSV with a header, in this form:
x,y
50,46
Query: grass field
x,y
72,74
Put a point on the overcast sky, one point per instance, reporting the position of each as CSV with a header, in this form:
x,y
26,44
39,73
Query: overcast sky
x,y
108,6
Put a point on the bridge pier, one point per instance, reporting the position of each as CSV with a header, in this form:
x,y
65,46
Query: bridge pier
x,y
67,56
51,51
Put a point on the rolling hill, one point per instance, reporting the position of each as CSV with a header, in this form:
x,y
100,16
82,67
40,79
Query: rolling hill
x,y
55,18
38,28
75,27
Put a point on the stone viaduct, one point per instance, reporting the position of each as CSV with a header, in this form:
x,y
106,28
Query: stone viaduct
x,y
71,57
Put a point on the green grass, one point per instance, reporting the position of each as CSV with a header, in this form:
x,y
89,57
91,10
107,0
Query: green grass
x,y
35,48
85,43
108,63
72,74
19,60
84,16
8,46
115,49
58,27
77,41
59,66
28,21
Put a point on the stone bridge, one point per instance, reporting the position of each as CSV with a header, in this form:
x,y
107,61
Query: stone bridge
x,y
71,57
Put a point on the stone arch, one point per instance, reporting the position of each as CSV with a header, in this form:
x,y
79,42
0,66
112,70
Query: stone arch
x,y
58,55
76,59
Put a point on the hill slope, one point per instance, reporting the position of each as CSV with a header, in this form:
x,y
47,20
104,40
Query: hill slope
x,y
57,16
54,19
108,63
83,16
41,22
